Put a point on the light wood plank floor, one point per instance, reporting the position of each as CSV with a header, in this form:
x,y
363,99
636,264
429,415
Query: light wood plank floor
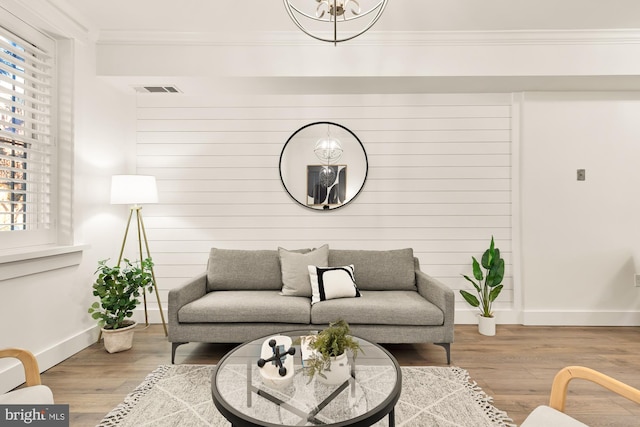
x,y
516,367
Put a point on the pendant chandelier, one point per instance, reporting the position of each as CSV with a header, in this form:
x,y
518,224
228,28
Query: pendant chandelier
x,y
317,18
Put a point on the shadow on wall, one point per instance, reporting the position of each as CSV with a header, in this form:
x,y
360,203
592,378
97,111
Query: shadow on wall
x,y
623,285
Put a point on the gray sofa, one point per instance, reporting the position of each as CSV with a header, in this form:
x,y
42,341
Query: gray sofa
x,y
246,294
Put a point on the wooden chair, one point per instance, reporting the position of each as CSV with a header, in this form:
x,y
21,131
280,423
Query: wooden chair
x,y
33,392
553,415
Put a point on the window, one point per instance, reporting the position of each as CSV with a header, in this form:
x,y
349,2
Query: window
x,y
27,154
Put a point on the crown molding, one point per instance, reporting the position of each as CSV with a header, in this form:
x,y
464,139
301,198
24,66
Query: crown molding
x,y
57,18
377,38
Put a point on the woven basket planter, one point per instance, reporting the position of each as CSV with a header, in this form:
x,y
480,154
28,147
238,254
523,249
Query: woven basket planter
x,y
116,340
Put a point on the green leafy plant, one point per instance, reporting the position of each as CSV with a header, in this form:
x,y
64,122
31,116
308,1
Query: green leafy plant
x,y
118,289
328,343
488,290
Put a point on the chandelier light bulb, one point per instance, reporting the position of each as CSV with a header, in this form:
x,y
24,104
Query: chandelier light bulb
x,y
337,8
342,19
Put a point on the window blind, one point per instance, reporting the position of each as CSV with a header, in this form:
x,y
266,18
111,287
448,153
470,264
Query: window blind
x,y
26,134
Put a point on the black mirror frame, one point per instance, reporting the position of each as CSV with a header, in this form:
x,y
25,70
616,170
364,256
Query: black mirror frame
x,y
366,169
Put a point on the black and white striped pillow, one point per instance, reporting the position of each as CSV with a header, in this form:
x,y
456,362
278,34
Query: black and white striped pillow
x,y
332,282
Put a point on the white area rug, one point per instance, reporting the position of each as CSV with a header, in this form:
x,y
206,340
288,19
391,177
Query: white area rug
x,y
180,395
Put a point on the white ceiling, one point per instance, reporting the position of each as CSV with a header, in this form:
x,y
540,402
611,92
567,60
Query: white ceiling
x,y
401,15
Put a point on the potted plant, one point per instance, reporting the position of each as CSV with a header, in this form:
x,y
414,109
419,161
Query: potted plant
x,y
118,289
487,285
329,357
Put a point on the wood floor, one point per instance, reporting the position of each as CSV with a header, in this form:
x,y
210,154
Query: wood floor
x,y
516,367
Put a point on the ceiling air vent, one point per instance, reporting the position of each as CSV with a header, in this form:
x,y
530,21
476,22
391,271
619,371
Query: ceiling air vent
x,y
157,89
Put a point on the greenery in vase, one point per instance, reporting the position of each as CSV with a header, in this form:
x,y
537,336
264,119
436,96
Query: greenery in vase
x,y
328,343
487,284
118,289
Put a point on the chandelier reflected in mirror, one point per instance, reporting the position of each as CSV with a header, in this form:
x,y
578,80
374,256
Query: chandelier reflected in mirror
x,y
328,150
327,176
321,19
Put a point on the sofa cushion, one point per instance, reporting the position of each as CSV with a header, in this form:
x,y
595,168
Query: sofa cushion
x,y
379,308
230,269
332,282
295,275
378,270
246,307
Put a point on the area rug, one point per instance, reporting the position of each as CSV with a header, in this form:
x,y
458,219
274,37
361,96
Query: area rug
x,y
180,395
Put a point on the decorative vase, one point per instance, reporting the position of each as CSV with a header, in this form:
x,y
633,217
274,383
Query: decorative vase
x,y
339,372
487,325
116,340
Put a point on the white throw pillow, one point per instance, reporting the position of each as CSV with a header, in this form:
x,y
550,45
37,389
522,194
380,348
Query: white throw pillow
x,y
293,265
332,282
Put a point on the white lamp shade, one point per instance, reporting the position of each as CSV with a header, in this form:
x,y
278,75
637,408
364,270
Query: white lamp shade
x,y
133,189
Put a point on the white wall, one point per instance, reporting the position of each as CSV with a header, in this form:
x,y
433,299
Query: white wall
x,y
439,179
450,62
47,312
425,61
579,239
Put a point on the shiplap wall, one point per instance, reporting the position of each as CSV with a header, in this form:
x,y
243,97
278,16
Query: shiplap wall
x,y
439,178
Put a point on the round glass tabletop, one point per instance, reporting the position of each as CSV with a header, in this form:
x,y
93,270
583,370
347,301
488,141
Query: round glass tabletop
x,y
246,399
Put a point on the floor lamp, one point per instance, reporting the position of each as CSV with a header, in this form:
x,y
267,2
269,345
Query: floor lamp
x,y
135,190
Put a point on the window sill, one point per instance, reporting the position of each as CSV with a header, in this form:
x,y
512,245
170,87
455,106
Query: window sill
x,y
38,260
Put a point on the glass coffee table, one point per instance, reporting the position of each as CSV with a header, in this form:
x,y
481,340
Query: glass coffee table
x,y
243,398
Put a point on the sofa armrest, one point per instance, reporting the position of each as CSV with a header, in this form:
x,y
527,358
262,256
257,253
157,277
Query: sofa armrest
x,y
438,294
189,291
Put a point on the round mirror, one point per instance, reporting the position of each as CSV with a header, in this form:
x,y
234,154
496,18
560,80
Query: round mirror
x,y
323,166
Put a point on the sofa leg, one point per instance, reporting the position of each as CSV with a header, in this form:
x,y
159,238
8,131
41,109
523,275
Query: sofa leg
x,y
447,348
174,346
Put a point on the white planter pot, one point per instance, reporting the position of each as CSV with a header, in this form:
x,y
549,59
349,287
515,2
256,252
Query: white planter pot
x,y
116,340
487,325
339,372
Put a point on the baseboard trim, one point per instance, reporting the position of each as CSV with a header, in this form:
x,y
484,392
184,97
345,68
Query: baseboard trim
x,y
12,374
504,317
554,318
580,318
